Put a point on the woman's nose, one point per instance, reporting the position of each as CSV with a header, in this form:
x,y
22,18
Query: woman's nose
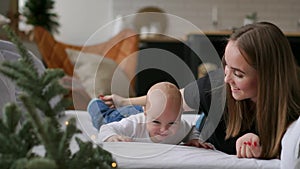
x,y
227,78
227,75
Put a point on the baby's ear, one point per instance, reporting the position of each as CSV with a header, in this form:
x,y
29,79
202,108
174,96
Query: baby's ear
x,y
145,113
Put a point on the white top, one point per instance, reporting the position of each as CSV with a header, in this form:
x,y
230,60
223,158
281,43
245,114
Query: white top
x,y
135,127
290,153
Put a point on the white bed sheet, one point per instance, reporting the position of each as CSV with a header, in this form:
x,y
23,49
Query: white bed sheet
x,y
151,155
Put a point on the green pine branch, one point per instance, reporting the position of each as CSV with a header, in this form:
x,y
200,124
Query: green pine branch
x,y
41,125
39,13
15,144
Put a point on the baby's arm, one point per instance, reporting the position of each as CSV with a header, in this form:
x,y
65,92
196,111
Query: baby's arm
x,y
195,140
116,131
118,138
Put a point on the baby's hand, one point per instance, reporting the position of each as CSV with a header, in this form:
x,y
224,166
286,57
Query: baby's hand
x,y
248,146
200,144
118,138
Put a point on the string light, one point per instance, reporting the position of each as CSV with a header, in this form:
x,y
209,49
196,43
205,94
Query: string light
x,y
114,165
66,123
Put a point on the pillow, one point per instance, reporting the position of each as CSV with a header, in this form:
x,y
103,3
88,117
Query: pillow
x,y
96,73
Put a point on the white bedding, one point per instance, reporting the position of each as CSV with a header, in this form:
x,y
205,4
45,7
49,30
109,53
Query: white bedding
x,y
151,155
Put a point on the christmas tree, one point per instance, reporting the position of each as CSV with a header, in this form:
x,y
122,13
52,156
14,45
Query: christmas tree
x,y
40,13
18,139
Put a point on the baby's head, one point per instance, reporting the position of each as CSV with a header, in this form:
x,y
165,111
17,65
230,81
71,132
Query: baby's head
x,y
163,110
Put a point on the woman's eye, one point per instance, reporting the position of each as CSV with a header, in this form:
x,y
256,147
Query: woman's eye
x,y
238,74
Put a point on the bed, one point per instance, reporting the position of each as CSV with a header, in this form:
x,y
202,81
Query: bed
x,y
149,155
146,155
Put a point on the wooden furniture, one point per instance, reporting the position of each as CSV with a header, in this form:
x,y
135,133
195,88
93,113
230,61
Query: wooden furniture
x,y
118,48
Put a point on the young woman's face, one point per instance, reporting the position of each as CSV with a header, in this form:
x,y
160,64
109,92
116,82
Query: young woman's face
x,y
241,77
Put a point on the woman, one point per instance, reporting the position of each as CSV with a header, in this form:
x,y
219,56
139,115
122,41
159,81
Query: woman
x,y
260,72
263,96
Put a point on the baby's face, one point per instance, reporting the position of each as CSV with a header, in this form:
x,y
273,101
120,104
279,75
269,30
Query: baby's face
x,y
163,118
161,127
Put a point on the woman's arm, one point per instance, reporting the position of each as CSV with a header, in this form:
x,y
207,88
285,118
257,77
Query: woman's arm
x,y
115,100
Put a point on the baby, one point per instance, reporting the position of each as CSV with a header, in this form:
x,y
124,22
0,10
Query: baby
x,y
160,123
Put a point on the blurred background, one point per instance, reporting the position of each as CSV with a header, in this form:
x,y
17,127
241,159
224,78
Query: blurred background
x,y
83,18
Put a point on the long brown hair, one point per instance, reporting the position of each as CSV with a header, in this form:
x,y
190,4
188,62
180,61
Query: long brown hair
x,y
265,48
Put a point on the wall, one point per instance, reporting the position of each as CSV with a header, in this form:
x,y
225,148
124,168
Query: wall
x,y
230,13
80,19
4,5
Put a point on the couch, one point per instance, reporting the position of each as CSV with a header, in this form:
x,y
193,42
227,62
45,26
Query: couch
x,y
118,49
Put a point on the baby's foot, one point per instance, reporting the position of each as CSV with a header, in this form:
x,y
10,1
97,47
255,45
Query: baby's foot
x,y
95,108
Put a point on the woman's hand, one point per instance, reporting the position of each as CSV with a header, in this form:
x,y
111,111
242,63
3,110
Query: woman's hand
x,y
200,144
247,146
113,101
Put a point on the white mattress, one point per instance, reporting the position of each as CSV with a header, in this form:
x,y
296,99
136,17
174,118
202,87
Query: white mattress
x,y
150,155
